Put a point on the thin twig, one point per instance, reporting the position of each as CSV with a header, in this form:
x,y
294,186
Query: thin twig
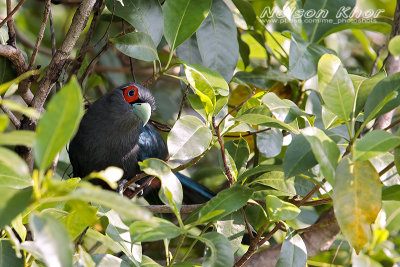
x,y
40,34
386,169
336,252
167,209
301,202
109,24
247,224
86,43
160,126
10,115
392,125
238,106
9,15
221,143
248,133
140,188
130,59
183,101
89,67
53,35
138,177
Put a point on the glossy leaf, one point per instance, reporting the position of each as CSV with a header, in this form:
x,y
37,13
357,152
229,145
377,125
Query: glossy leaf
x,y
338,12
394,45
59,123
335,86
12,203
153,231
293,251
218,251
391,193
246,10
21,137
145,15
269,143
261,115
189,51
365,89
298,157
279,210
275,179
217,40
52,240
11,161
188,138
137,45
7,255
224,203
3,122
182,18
233,227
326,152
264,78
373,144
304,57
384,97
171,189
239,151
106,260
356,200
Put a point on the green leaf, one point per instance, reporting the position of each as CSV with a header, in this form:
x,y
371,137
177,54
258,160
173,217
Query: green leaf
x,y
365,89
335,86
217,40
3,122
80,216
14,106
13,162
188,138
58,124
137,45
12,203
215,79
182,18
189,52
218,251
107,260
283,109
125,207
145,15
264,78
293,251
391,193
232,227
326,152
356,200
373,144
118,231
153,231
84,259
303,58
259,170
261,115
171,193
52,240
202,87
246,10
338,12
279,210
239,150
270,142
394,46
276,179
298,157
14,138
4,87
8,257
383,98
224,203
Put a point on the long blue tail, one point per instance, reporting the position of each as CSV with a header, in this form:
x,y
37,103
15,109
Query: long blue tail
x,y
193,192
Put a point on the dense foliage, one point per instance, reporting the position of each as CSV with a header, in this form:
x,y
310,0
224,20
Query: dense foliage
x,y
281,115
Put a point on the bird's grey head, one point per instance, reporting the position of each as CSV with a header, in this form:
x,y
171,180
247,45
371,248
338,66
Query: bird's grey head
x,y
129,102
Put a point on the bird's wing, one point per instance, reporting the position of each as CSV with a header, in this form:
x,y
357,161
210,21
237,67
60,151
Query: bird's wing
x,y
151,144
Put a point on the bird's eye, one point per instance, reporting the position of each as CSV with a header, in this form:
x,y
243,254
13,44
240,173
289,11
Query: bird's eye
x,y
131,94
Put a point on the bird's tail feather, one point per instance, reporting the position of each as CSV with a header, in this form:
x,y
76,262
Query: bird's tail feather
x,y
193,192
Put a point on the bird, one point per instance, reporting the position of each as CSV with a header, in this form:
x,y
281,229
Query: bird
x,y
115,131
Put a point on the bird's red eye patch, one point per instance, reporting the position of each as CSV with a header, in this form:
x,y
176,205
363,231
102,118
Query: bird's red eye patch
x,y
131,94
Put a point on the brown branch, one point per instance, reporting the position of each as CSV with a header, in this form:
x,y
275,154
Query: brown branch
x,y
27,43
221,143
247,224
160,126
248,133
386,169
137,177
52,33
392,125
40,34
58,61
167,209
238,106
130,59
10,25
10,14
86,43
